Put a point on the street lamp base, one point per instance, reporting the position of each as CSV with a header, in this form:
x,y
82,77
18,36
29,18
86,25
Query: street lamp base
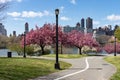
x,y
57,66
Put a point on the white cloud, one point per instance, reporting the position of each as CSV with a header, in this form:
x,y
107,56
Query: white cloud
x,y
113,17
28,14
96,22
73,1
34,14
31,14
14,14
64,18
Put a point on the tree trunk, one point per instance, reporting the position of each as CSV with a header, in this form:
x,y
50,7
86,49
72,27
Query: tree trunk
x,y
42,49
80,51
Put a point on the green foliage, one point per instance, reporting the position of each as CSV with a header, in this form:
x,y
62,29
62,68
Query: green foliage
x,y
115,61
17,48
47,51
117,33
25,69
30,50
39,52
3,41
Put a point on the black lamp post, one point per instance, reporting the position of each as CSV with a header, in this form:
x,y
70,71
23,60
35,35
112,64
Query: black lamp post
x,y
24,55
57,65
115,47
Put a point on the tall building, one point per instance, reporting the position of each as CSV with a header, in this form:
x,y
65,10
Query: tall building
x,y
89,23
82,23
81,27
26,27
14,33
3,31
78,25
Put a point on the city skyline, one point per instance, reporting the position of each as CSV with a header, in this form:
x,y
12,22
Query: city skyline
x,y
39,12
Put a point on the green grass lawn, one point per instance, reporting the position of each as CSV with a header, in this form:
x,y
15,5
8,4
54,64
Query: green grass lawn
x,y
68,56
24,69
115,61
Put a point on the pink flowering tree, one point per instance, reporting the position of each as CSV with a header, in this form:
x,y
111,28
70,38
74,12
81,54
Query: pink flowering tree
x,y
79,40
43,36
40,36
62,37
63,40
110,47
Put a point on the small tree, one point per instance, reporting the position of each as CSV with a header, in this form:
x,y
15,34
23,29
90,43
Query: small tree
x,y
110,47
40,36
63,40
79,40
117,33
3,41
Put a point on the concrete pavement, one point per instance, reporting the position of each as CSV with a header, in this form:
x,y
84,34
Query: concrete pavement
x,y
90,68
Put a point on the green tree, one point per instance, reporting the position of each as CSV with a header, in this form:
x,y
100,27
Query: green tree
x,y
117,33
20,50
3,41
17,48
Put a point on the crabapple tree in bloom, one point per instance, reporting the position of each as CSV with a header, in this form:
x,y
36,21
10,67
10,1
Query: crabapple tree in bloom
x,y
62,37
110,47
43,36
79,40
40,36
63,40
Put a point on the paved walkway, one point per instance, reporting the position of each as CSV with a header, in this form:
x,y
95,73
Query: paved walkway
x,y
89,68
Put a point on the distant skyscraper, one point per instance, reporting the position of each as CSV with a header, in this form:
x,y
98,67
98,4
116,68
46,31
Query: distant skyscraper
x,y
82,23
3,31
89,23
14,33
26,27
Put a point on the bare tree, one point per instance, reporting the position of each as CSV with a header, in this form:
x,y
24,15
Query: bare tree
x,y
3,7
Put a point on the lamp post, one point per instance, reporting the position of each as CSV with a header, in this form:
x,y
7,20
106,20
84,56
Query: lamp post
x,y
24,55
115,47
57,65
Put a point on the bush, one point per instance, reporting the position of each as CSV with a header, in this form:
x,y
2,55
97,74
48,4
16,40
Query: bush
x,y
30,50
17,48
20,50
47,51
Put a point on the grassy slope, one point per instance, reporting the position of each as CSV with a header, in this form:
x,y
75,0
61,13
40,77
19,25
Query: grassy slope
x,y
115,61
23,69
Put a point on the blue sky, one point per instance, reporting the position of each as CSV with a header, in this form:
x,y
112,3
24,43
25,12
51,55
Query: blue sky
x,y
39,12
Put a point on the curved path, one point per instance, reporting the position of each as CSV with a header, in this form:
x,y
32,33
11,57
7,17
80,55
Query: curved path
x,y
89,68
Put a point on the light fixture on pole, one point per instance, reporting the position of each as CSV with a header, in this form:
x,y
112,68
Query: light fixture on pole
x,y
57,65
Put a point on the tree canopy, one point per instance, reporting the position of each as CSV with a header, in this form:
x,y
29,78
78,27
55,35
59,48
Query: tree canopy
x,y
117,33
